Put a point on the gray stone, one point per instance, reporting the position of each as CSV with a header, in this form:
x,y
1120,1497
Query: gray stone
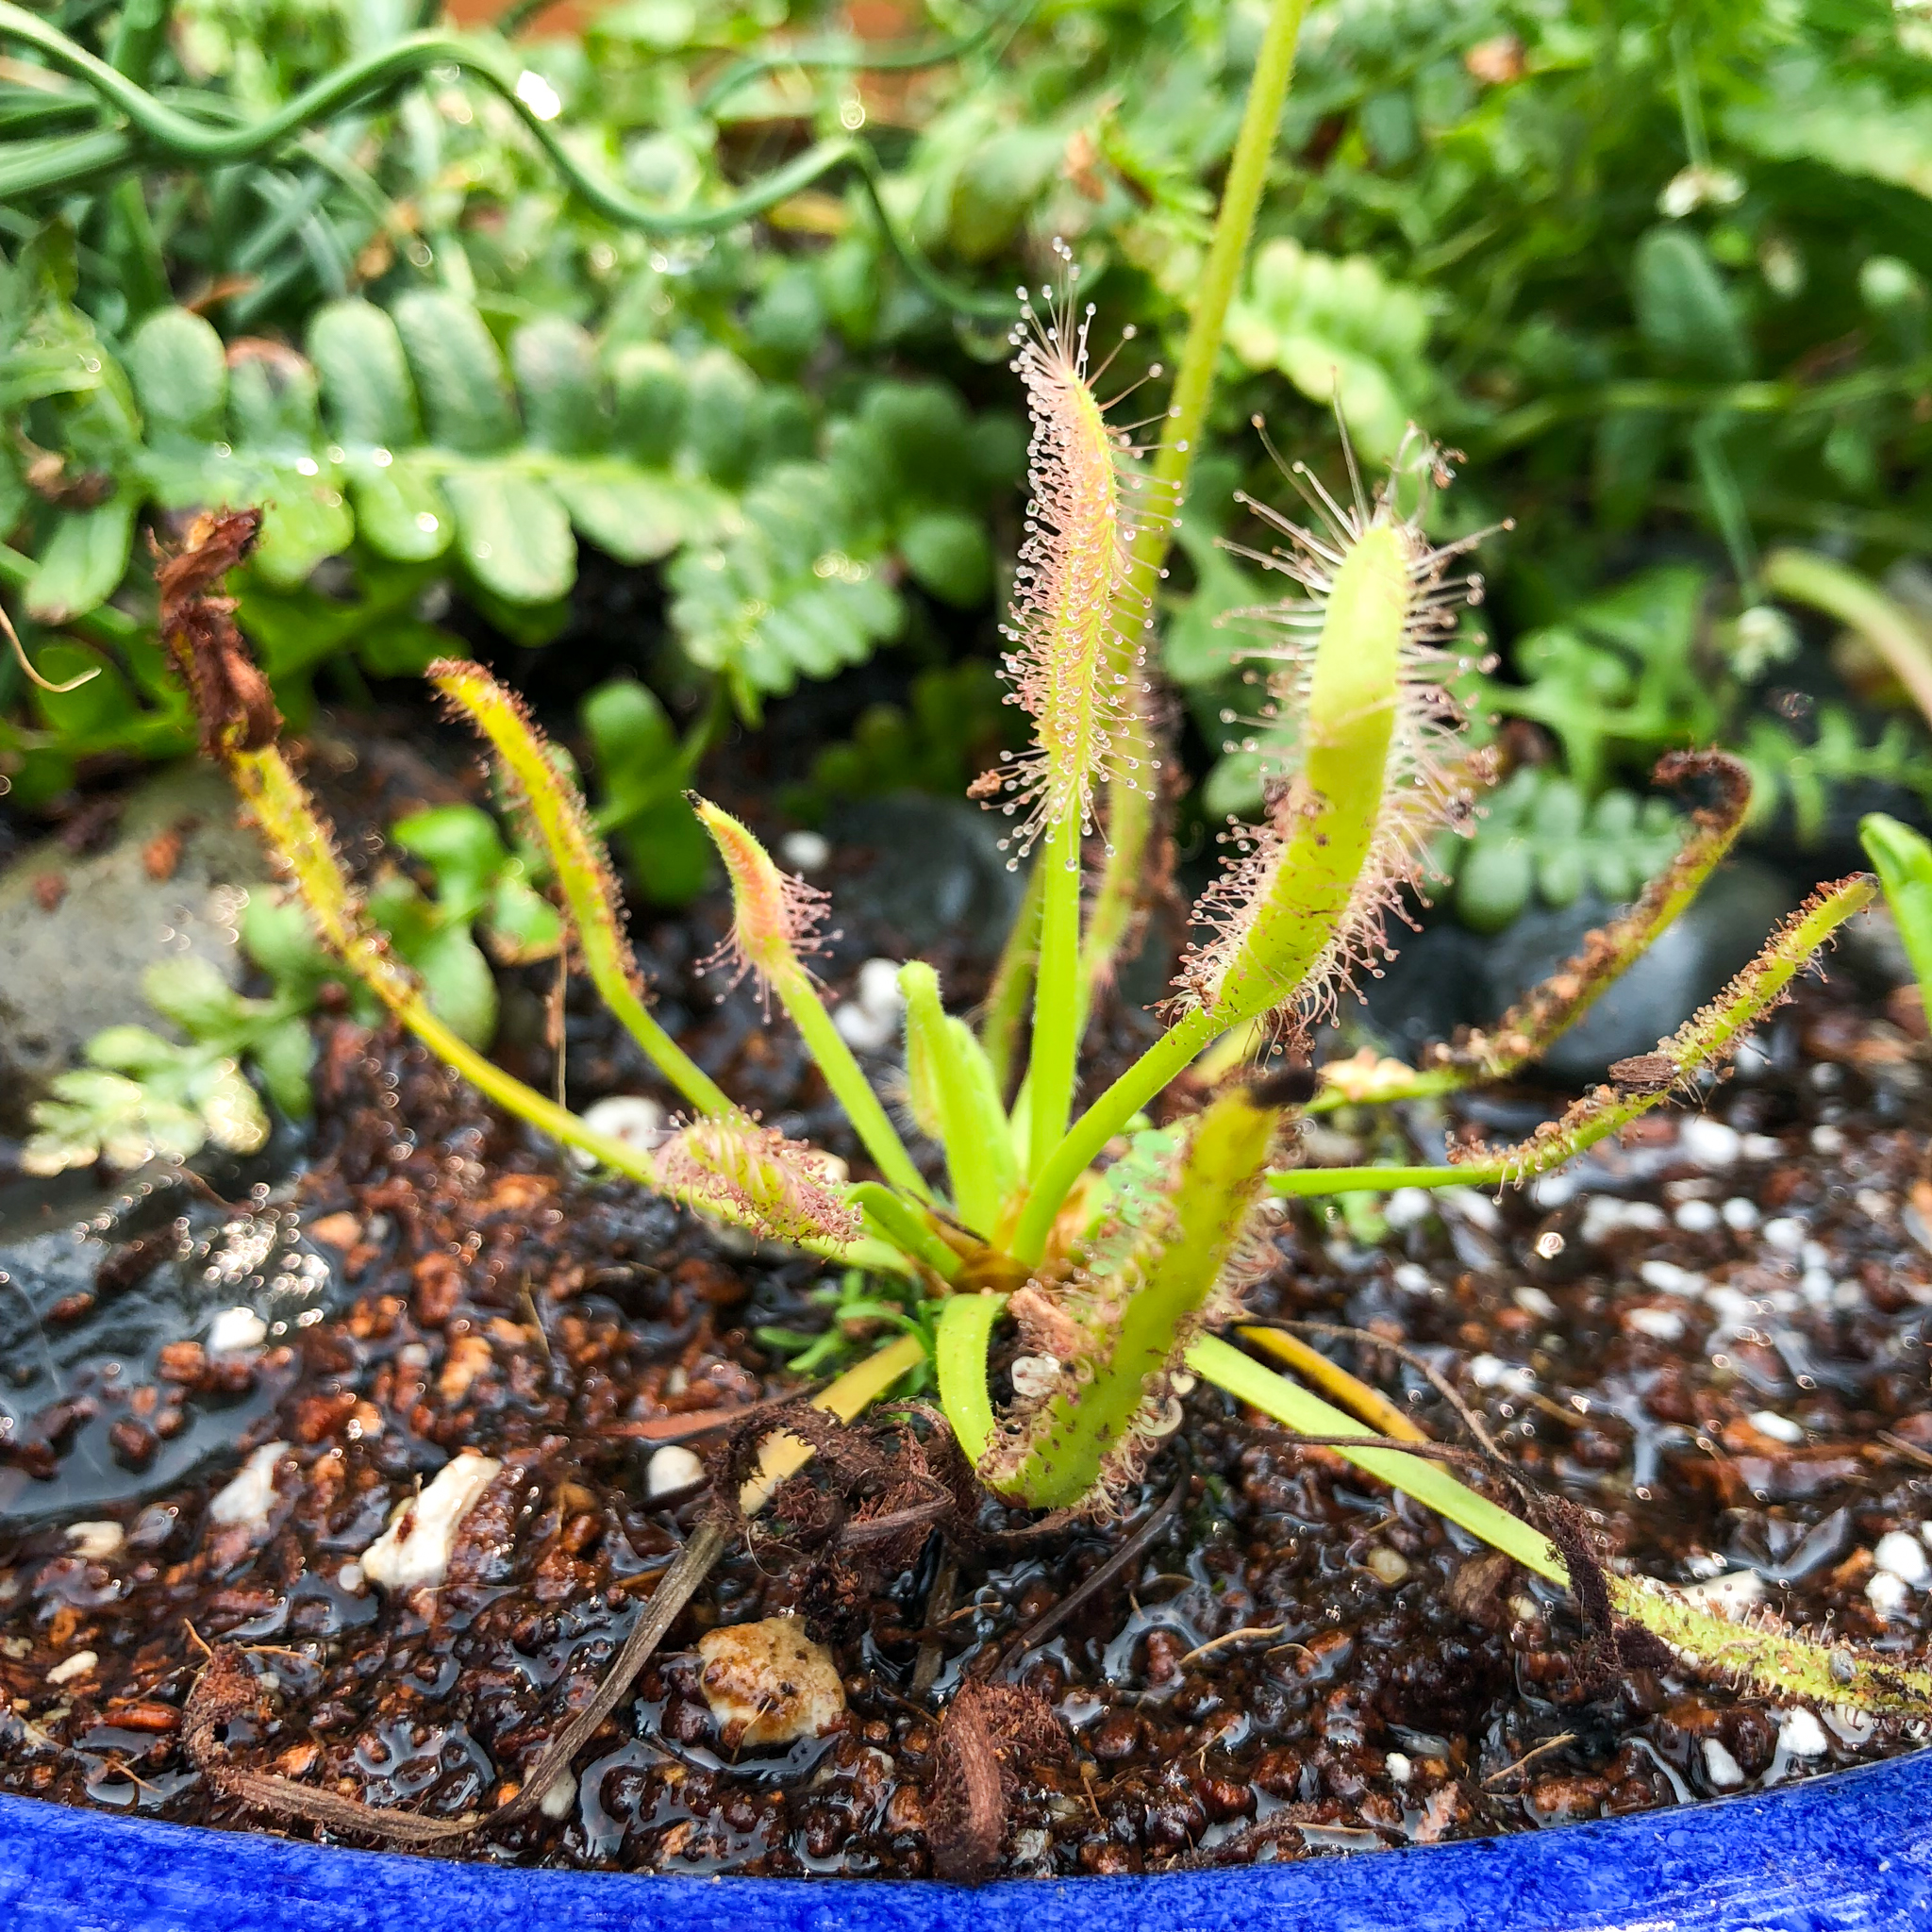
x,y
67,973
1719,932
1447,977
938,869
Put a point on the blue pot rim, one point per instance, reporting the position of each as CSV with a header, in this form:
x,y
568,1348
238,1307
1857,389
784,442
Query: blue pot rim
x,y
1851,1852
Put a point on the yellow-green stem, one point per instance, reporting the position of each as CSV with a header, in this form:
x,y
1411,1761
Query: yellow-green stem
x,y
560,824
1131,807
292,830
846,1078
945,1060
1012,981
1108,1116
1246,1380
1056,1002
906,1229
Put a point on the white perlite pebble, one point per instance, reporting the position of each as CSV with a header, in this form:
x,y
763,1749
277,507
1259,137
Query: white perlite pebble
x,y
805,851
633,1118
78,1665
1709,1143
1720,1766
1408,1207
1903,1555
96,1541
877,990
863,1031
1786,1234
673,1467
1887,1594
250,1493
1696,1217
1390,1566
1399,1767
1802,1735
415,1549
1779,1428
559,1797
1827,1140
1476,1209
1411,1278
1762,1147
1603,1214
234,1330
1533,1301
868,1021
1668,1279
1034,1375
1492,1371
1740,1213
1660,1325
768,1683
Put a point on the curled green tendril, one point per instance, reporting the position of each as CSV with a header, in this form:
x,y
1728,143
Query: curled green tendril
x,y
809,54
157,126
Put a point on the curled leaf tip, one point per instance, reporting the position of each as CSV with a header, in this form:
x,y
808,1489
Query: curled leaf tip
x,y
233,705
1077,622
775,915
1379,766
785,1189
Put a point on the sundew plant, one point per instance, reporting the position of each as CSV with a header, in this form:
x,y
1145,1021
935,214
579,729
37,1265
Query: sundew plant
x,y
1119,1253
1107,1260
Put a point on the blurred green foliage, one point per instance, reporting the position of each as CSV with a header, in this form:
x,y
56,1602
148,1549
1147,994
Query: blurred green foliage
x,y
1660,270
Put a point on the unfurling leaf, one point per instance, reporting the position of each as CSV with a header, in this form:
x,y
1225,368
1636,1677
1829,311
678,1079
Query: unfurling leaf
x,y
782,1188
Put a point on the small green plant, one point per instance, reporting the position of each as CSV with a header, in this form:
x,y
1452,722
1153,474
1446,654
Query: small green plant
x,y
1538,838
141,1096
409,452
954,724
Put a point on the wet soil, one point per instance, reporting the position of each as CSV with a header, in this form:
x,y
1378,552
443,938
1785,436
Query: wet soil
x,y
1713,1335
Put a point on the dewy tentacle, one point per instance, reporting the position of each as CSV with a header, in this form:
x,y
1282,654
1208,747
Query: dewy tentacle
x,y
1301,905
1550,1009
555,813
775,920
1078,1436
1075,632
1708,1039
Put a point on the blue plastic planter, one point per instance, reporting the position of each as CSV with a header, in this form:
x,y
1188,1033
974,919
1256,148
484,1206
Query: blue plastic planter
x,y
1851,1853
